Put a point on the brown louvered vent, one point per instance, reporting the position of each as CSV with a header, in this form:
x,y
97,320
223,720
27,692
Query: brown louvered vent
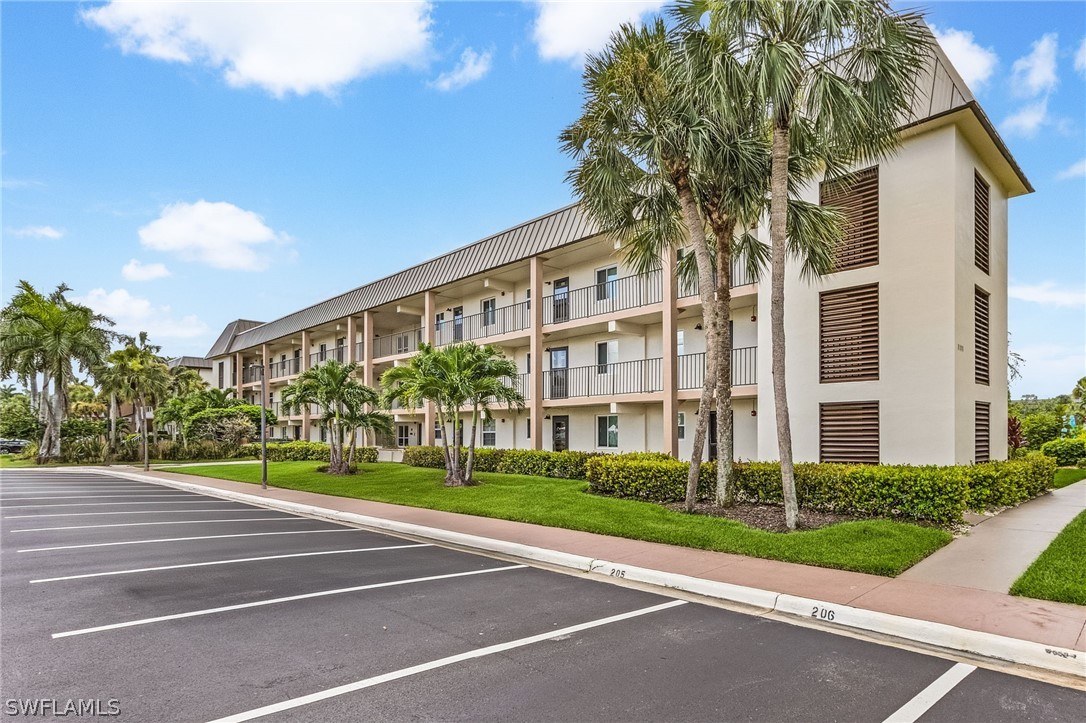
x,y
848,334
980,336
857,197
981,221
848,432
982,424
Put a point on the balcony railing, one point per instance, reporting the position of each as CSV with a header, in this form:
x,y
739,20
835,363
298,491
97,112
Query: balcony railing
x,y
626,293
285,368
479,326
400,342
598,380
691,371
250,374
281,412
740,277
338,353
360,351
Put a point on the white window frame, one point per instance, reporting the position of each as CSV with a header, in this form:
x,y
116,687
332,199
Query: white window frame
x,y
611,355
490,317
492,423
680,426
680,342
607,444
606,290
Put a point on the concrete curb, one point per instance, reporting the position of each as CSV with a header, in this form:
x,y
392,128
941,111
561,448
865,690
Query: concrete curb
x,y
988,645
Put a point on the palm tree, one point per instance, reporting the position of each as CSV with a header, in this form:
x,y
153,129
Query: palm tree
x,y
1077,407
342,401
139,376
185,381
52,336
636,174
359,413
454,377
838,74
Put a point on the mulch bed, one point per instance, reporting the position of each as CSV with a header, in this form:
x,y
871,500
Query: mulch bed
x,y
765,517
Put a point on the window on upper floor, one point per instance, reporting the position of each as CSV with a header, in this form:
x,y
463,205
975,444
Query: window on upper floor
x,y
606,355
848,334
606,281
490,311
855,195
680,342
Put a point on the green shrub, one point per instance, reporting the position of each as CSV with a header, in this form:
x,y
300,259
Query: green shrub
x,y
432,457
487,459
71,428
533,462
365,454
1066,451
297,451
204,424
1040,428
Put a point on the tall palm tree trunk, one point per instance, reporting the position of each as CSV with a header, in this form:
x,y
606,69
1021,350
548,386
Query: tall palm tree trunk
x,y
778,227
144,435
724,230
696,233
469,469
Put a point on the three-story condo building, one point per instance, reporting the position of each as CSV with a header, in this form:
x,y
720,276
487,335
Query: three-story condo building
x,y
898,356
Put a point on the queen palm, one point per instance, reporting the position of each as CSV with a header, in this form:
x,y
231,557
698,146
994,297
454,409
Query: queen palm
x,y
141,378
185,381
836,75
52,336
341,400
489,379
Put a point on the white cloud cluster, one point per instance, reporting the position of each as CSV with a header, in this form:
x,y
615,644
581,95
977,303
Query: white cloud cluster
x,y
1075,170
1048,293
1050,368
471,67
1034,76
219,234
1080,58
136,270
48,232
568,30
973,61
134,314
282,47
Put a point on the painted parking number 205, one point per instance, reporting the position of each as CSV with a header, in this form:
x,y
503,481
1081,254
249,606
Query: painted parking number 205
x,y
821,613
617,572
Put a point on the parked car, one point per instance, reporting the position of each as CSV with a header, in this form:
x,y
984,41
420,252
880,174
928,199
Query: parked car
x,y
12,446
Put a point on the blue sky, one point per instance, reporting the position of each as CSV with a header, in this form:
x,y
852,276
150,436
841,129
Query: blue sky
x,y
154,154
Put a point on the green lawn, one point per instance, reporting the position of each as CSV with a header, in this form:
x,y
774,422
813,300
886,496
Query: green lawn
x,y
881,547
1059,574
1067,476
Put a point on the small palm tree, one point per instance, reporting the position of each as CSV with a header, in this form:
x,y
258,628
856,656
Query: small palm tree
x,y
142,379
489,379
342,401
185,381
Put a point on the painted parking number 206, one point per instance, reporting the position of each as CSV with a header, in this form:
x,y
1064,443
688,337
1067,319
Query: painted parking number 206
x,y
821,613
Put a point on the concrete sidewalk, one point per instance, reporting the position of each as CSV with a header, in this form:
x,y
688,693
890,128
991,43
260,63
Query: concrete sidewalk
x,y
999,549
984,611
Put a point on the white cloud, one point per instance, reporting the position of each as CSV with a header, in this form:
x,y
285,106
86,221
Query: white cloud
x,y
1080,58
1048,293
219,234
136,270
974,62
568,30
472,67
13,183
1028,120
1035,74
38,232
134,314
1049,369
282,47
1075,170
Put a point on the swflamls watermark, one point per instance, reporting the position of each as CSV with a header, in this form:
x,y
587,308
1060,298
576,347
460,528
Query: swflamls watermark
x,y
57,707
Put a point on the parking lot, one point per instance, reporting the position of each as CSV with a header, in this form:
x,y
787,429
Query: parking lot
x,y
169,605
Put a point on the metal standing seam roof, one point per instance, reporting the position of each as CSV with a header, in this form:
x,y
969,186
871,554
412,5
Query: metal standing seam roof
x,y
940,90
192,362
546,233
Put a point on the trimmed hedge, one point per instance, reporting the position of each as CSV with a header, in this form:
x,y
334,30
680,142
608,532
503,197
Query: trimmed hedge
x,y
537,463
302,451
938,494
1067,451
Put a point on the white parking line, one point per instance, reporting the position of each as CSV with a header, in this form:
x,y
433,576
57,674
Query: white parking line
x,y
154,495
440,663
277,600
183,539
167,522
931,695
102,504
230,562
137,512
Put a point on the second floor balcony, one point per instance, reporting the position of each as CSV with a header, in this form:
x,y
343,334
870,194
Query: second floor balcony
x,y
285,368
642,376
691,369
606,297
396,343
491,322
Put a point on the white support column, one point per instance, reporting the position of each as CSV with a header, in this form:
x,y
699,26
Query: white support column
x,y
352,345
305,366
429,311
535,347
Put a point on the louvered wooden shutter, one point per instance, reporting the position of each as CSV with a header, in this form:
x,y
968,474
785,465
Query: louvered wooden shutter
x,y
981,221
982,421
848,432
857,197
980,336
848,334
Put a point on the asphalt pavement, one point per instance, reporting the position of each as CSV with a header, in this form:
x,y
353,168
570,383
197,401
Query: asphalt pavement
x,y
173,606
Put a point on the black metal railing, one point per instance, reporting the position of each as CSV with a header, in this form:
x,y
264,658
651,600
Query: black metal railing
x,y
400,342
597,380
691,370
360,351
250,374
479,326
740,277
285,368
626,293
